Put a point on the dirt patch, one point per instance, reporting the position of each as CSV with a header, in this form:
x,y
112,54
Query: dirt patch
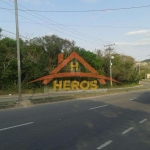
x,y
24,103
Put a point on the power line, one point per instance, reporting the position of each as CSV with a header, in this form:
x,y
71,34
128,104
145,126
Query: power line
x,y
60,25
58,30
7,36
23,22
144,57
4,35
14,33
141,56
120,49
100,26
83,11
97,26
54,29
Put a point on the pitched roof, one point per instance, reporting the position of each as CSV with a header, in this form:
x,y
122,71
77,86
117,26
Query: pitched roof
x,y
55,74
67,60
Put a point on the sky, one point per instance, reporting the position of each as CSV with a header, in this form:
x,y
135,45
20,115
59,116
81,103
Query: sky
x,y
128,29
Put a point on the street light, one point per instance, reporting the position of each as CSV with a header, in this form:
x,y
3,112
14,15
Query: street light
x,y
111,57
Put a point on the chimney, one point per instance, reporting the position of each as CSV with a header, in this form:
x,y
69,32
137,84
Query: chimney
x,y
60,58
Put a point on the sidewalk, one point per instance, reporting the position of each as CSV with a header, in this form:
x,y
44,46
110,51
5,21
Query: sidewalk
x,y
4,98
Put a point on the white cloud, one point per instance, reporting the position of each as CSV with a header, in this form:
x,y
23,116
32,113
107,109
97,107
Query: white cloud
x,y
139,32
143,42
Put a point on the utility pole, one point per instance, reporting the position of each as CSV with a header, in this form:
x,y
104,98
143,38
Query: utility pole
x,y
18,51
139,68
110,64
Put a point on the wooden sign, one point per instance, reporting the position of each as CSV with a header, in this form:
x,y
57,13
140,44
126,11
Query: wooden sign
x,y
74,72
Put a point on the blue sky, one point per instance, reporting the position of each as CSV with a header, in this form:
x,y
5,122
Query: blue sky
x,y
128,29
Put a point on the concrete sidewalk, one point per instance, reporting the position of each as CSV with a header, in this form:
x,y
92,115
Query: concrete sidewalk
x,y
5,98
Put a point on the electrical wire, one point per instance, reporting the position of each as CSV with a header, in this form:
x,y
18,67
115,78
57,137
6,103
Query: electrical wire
x,y
83,11
141,56
144,57
57,30
118,27
60,25
7,36
15,33
120,49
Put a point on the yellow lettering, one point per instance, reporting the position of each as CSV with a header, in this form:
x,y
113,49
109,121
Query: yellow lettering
x,y
84,85
93,85
72,66
59,85
75,85
66,85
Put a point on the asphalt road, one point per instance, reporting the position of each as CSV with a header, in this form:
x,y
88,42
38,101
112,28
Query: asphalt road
x,y
114,122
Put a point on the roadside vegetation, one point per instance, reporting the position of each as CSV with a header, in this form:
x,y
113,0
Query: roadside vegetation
x,y
39,58
145,69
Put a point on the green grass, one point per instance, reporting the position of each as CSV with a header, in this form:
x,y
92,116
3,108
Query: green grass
x,y
41,90
51,99
10,104
57,98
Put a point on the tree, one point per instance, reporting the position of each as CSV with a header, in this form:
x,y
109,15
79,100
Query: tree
x,y
39,58
93,59
34,63
0,34
8,63
123,69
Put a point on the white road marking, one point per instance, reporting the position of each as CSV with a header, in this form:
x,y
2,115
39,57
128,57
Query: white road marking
x,y
104,145
16,126
133,99
126,131
143,120
98,107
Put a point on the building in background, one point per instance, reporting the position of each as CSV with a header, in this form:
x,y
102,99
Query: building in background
x,y
148,76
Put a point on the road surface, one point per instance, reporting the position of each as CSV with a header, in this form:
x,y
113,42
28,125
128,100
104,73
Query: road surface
x,y
114,122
